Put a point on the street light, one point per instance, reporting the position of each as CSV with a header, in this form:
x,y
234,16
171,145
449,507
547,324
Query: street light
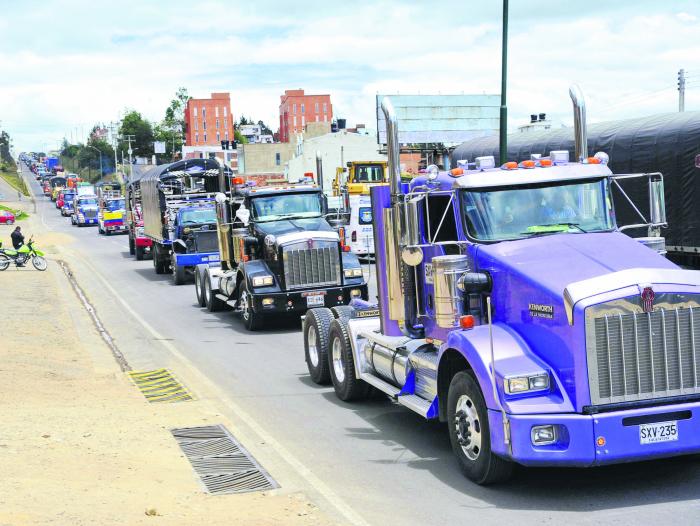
x,y
100,153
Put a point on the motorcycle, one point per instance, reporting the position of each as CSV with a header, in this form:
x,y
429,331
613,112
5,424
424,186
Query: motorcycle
x,y
22,255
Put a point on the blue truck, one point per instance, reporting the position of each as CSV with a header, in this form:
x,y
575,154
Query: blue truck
x,y
179,216
512,308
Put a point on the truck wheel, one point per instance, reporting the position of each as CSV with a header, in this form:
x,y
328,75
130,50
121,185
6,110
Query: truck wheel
x,y
139,253
342,366
199,286
211,302
468,426
253,320
99,230
316,328
158,262
179,272
343,312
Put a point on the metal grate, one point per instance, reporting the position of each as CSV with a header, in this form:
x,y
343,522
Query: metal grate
x,y
638,356
206,241
315,267
160,386
222,463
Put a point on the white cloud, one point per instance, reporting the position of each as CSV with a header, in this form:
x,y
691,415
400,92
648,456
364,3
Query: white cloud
x,y
100,61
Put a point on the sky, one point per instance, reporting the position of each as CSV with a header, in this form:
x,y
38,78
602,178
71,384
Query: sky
x,y
67,65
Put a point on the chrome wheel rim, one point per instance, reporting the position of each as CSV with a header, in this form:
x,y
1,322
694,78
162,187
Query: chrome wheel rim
x,y
313,350
206,291
338,368
244,305
197,286
39,263
468,427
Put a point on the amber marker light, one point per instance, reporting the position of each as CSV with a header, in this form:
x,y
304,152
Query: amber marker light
x,y
600,441
466,322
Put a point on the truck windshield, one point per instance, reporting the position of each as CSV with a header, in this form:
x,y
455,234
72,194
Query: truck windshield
x,y
369,173
68,198
526,211
198,216
83,202
286,206
115,204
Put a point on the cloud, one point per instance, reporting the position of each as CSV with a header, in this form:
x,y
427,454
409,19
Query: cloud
x,y
102,58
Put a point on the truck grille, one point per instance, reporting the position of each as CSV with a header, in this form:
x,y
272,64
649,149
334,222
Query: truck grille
x,y
90,214
311,267
206,241
639,356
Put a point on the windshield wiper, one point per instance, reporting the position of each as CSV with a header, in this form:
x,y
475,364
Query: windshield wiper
x,y
550,228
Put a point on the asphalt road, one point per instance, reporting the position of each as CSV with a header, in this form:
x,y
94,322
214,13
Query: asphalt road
x,y
387,464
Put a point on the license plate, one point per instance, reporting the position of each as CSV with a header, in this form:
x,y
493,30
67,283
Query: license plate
x,y
658,432
315,301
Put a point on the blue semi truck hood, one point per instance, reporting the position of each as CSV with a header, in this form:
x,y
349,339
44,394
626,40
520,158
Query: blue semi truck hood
x,y
529,278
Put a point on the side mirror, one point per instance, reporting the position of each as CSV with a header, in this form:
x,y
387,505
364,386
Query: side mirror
x,y
657,204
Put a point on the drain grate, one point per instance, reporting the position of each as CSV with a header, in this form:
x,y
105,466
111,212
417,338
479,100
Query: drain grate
x,y
222,463
160,386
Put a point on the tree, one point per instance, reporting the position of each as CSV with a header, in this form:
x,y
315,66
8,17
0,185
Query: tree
x,y
172,127
142,131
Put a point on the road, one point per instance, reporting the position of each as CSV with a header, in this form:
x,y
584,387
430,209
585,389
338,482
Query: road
x,y
379,460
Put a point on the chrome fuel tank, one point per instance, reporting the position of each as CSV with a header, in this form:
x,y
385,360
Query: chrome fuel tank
x,y
392,365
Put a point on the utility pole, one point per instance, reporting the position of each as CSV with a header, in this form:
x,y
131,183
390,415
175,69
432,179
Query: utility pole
x,y
681,90
113,135
503,139
130,139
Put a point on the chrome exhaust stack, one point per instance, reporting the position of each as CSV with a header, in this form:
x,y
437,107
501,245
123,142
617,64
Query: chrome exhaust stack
x,y
400,277
580,130
319,169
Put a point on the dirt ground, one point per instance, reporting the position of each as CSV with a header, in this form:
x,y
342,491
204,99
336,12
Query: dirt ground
x,y
78,442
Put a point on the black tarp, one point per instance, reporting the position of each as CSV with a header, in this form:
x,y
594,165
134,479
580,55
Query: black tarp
x,y
666,143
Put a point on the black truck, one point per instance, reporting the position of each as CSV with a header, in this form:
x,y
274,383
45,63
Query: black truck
x,y
279,255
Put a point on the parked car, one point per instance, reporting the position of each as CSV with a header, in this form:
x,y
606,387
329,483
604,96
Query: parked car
x,y
7,217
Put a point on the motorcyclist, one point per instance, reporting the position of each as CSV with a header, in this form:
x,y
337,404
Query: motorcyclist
x,y
17,242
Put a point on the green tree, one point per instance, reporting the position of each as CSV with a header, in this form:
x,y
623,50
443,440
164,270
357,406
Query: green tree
x,y
142,132
171,129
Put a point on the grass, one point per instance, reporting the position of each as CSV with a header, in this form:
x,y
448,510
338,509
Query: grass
x,y
15,181
19,214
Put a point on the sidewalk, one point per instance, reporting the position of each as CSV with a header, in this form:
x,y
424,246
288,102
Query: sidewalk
x,y
79,444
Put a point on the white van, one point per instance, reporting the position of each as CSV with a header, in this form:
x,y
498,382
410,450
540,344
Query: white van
x,y
358,232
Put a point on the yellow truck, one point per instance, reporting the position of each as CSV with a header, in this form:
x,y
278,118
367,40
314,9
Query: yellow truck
x,y
359,176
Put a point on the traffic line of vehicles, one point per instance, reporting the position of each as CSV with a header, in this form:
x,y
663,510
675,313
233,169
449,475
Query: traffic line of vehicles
x,y
510,306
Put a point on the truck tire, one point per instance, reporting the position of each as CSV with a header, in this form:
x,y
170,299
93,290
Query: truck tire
x,y
211,302
316,328
158,263
199,285
139,251
99,230
132,246
468,426
342,366
179,272
342,311
253,321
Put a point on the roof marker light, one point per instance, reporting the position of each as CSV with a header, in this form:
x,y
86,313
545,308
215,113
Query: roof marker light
x,y
592,160
510,165
545,163
527,164
456,172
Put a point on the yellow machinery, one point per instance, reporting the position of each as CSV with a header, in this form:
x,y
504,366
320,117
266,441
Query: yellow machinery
x,y
359,176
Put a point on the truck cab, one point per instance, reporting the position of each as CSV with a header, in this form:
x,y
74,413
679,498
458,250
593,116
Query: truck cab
x,y
512,308
111,215
85,210
279,255
67,204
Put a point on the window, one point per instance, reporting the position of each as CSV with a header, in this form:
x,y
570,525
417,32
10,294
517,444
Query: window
x,y
196,137
278,159
204,125
316,107
325,118
218,137
226,136
316,118
295,122
289,205
294,108
217,124
196,126
216,112
205,137
225,112
436,206
195,111
302,108
325,107
204,113
302,120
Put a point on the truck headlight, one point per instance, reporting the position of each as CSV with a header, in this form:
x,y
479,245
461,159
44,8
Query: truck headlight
x,y
529,383
353,272
262,281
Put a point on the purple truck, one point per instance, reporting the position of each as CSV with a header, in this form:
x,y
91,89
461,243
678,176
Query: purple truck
x,y
512,308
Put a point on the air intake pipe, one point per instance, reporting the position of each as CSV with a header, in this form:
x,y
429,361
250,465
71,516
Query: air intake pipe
x,y
580,131
406,274
319,169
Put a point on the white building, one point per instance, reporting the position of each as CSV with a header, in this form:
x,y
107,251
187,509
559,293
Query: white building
x,y
336,150
254,134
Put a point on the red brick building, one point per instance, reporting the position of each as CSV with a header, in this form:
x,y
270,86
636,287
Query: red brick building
x,y
297,109
209,121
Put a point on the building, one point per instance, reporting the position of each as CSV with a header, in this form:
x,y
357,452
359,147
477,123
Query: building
x,y
298,109
255,159
538,122
208,122
254,134
336,149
